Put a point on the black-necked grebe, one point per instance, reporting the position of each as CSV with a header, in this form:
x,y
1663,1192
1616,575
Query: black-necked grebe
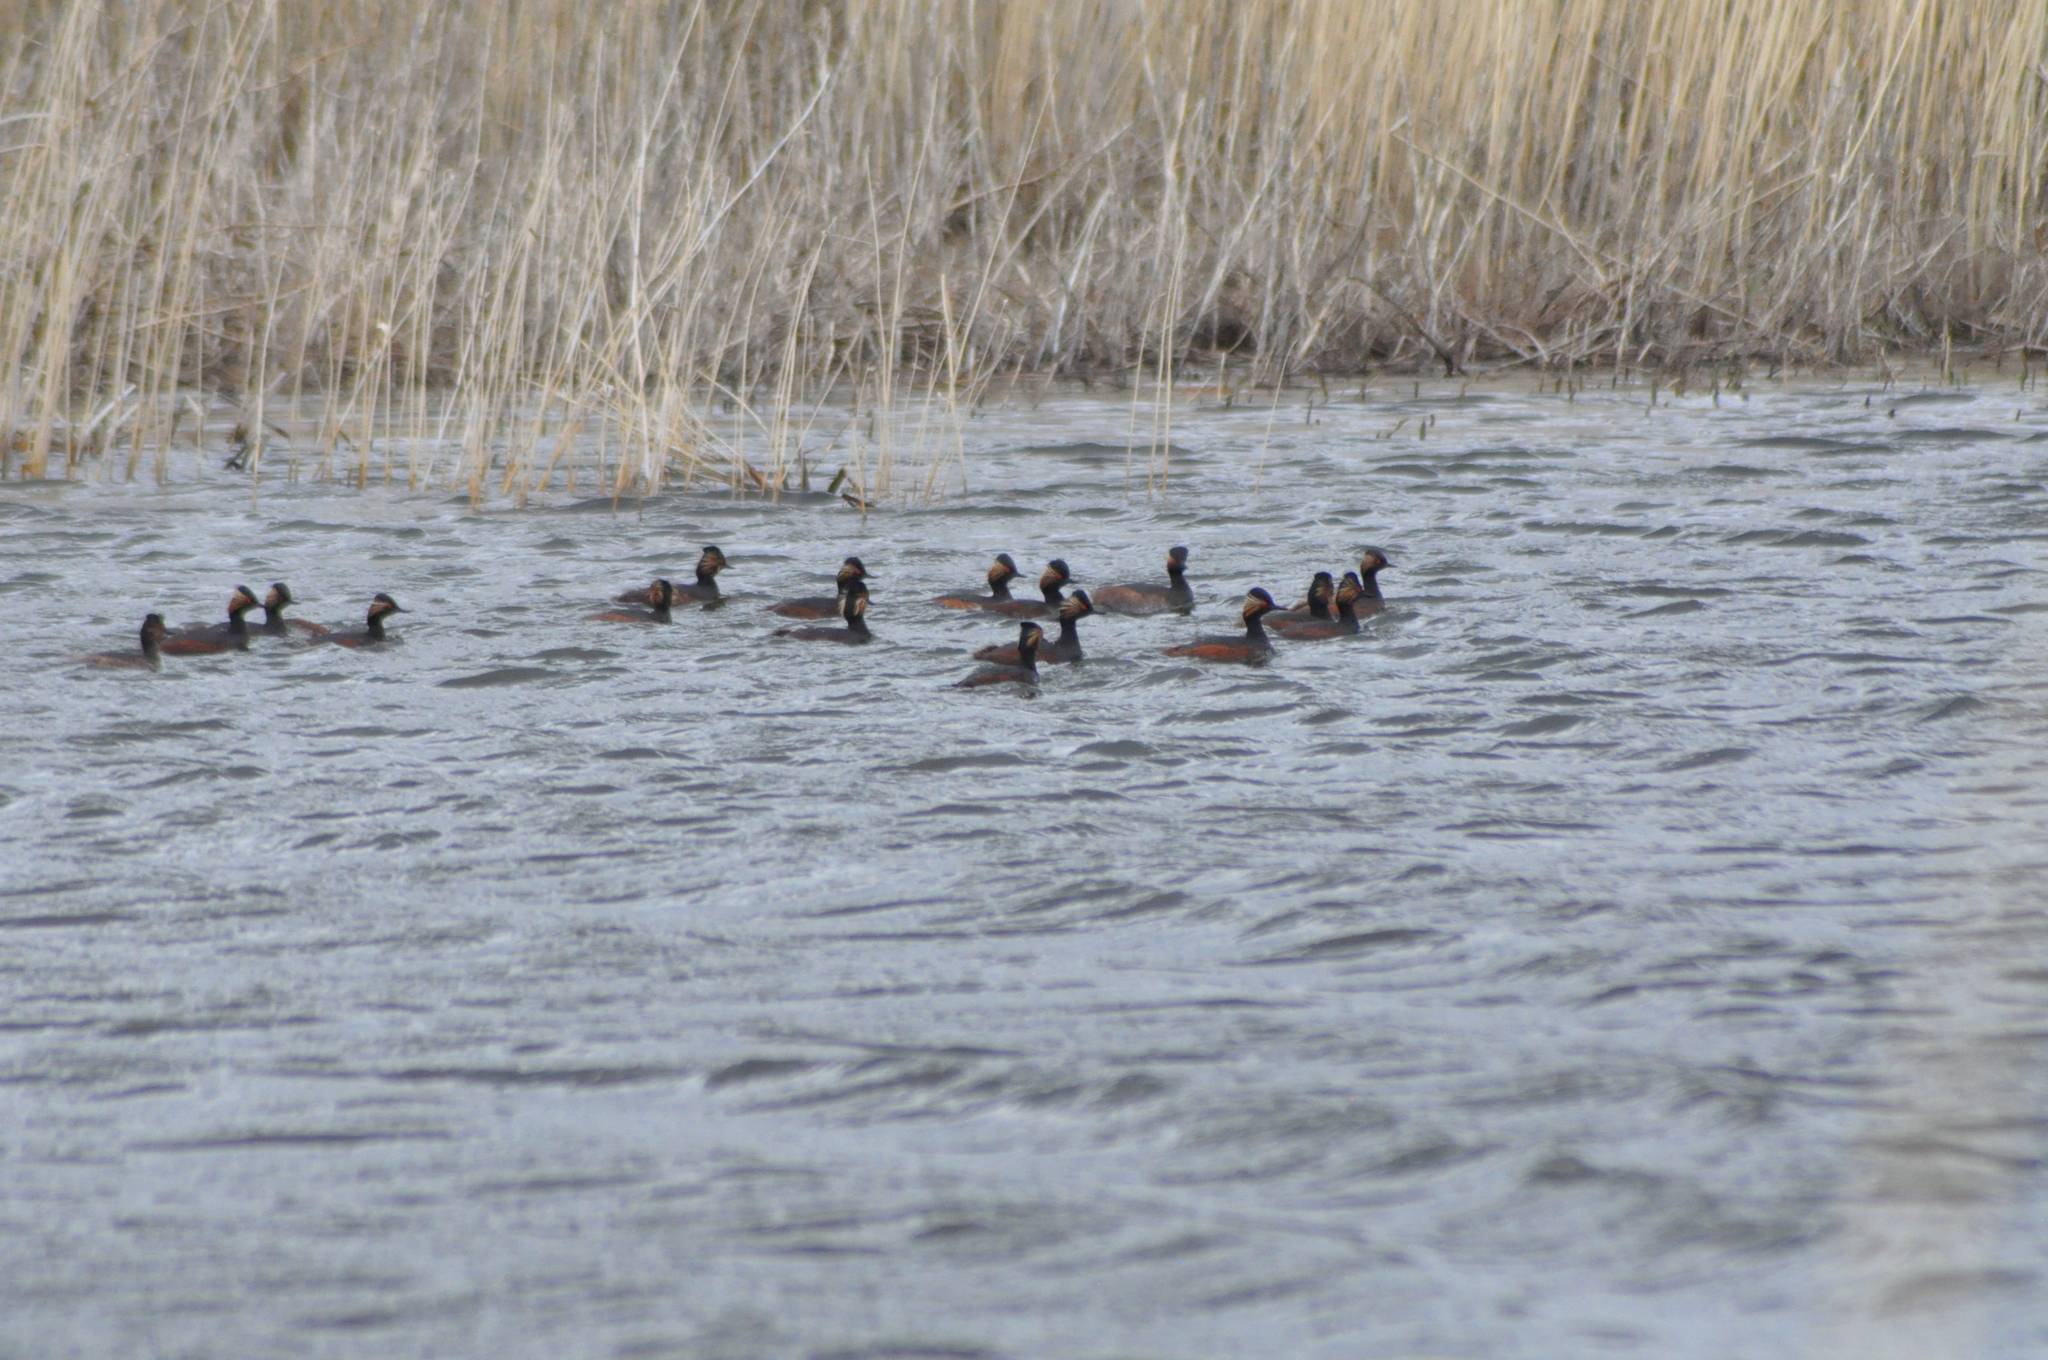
x,y
1149,597
381,608
823,606
1050,580
232,636
662,593
1024,671
147,659
1000,573
855,613
704,591
1251,645
1370,565
1315,609
275,624
1066,647
1346,623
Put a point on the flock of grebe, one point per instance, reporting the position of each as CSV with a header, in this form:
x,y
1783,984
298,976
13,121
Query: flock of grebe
x,y
1005,664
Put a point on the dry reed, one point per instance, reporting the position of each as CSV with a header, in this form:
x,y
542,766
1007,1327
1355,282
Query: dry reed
x,y
470,242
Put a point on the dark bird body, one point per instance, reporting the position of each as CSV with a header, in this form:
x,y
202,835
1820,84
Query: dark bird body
x,y
855,614
1149,597
1024,671
232,636
381,608
1251,645
148,658
1370,565
1314,609
1050,580
661,594
1065,648
823,606
703,591
275,624
1345,624
1000,575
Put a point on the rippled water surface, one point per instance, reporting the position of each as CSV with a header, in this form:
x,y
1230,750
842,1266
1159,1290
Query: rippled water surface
x,y
1634,943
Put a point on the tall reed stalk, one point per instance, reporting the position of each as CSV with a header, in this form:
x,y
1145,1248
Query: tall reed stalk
x,y
466,241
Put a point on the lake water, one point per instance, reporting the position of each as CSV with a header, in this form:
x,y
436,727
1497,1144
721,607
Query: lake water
x,y
1634,943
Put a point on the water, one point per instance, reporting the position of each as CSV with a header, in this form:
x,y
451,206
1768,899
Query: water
x,y
1634,944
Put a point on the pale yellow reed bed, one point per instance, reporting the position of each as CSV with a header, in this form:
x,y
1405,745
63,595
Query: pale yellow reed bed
x,y
514,232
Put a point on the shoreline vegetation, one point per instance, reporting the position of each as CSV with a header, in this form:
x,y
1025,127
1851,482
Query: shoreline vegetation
x,y
515,231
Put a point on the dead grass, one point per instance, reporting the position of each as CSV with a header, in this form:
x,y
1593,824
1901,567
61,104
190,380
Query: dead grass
x,y
489,244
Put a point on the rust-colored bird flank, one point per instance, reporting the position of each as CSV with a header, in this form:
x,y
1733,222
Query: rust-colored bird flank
x,y
232,636
1150,597
147,658
1252,645
1000,574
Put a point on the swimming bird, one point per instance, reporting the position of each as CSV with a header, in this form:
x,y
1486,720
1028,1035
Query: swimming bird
x,y
704,591
1316,608
1348,594
274,622
1252,645
381,608
1067,647
823,606
1000,573
1370,565
1149,597
855,614
147,659
1050,580
232,636
1024,671
662,593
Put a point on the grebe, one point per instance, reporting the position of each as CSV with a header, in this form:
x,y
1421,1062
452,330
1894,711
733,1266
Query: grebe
x,y
1252,645
1023,672
1067,647
1000,574
705,591
1346,622
662,593
856,629
232,636
1149,597
823,606
381,608
274,622
148,659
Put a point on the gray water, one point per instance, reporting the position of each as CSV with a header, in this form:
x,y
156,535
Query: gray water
x,y
1633,944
